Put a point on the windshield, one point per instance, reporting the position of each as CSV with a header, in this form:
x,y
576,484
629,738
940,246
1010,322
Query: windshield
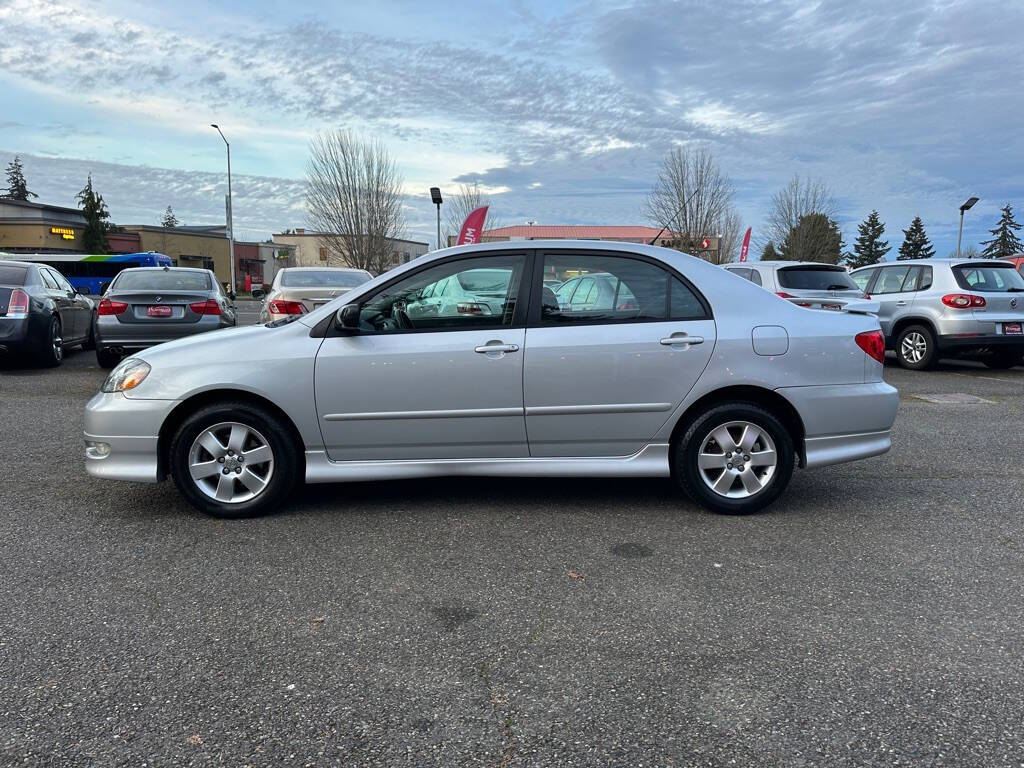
x,y
162,280
990,278
812,278
11,275
325,278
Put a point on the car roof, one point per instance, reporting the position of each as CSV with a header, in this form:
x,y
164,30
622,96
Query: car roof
x,y
11,262
165,269
322,269
784,263
961,262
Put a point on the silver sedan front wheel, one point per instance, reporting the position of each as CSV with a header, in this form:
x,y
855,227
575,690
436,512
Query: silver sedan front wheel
x,y
914,347
737,459
231,462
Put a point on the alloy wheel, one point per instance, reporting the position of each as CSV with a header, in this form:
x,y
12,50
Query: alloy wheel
x,y
737,459
231,462
914,347
56,341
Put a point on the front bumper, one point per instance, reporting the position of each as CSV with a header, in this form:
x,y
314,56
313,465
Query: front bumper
x,y
122,435
844,422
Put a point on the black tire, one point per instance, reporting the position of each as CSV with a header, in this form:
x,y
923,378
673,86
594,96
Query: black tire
x,y
1003,359
90,340
913,337
106,358
690,442
278,437
50,353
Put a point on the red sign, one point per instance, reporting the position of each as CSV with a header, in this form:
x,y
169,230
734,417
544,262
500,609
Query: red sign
x,y
705,242
473,227
746,245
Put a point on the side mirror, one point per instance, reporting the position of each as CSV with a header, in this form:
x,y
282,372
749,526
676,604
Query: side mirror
x,y
82,291
347,318
258,294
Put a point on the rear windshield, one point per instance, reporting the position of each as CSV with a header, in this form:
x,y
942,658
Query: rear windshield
x,y
327,278
11,275
485,280
991,278
162,280
816,279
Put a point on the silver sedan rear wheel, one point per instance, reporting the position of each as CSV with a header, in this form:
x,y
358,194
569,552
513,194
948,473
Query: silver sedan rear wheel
x,y
737,459
231,462
913,347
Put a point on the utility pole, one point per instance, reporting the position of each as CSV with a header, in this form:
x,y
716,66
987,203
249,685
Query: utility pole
x,y
231,220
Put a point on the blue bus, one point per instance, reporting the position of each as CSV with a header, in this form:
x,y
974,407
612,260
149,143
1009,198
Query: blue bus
x,y
92,274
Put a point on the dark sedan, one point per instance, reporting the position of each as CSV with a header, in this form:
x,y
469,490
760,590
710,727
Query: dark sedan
x,y
145,306
41,315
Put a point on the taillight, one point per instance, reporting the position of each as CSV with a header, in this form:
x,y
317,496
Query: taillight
x,y
963,300
470,308
18,305
208,307
782,295
280,307
108,307
873,344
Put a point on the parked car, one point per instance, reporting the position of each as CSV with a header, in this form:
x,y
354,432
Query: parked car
x,y
599,289
1018,262
708,380
41,315
949,307
801,279
145,306
297,290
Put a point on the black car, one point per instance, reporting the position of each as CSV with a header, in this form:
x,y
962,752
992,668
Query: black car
x,y
41,315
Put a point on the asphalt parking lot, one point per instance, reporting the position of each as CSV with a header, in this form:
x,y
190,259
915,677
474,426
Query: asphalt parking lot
x,y
872,617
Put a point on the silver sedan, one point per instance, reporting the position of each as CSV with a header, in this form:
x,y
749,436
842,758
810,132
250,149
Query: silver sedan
x,y
297,290
701,376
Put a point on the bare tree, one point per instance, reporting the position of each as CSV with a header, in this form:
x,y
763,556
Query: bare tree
x,y
459,205
799,198
354,199
730,235
692,198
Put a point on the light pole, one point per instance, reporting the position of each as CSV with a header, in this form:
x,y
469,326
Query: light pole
x,y
965,207
435,197
231,218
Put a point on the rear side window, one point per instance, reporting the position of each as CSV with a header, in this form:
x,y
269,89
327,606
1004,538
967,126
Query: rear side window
x,y
755,276
162,280
48,280
988,278
613,289
10,275
814,278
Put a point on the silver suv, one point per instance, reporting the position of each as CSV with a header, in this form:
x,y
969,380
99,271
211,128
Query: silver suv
x,y
948,307
800,279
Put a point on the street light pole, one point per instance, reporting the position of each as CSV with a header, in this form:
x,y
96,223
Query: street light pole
x,y
231,216
965,207
435,197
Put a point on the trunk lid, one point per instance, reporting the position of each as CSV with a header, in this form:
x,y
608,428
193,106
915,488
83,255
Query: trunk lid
x,y
147,307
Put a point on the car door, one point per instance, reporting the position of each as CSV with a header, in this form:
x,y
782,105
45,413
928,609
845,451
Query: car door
x,y
80,307
60,299
601,380
439,386
887,290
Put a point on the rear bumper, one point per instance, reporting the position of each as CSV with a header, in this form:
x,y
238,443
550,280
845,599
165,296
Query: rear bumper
x,y
122,435
971,331
14,332
844,422
111,333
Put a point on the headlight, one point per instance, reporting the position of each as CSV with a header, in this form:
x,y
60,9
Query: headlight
x,y
127,375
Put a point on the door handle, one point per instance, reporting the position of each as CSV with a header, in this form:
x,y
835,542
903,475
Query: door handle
x,y
486,348
681,338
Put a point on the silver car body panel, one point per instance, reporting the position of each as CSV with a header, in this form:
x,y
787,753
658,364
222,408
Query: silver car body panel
x,y
407,405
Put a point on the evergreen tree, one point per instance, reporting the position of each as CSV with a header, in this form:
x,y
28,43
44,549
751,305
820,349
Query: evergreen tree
x,y
816,237
769,254
915,242
94,238
169,219
1005,243
17,188
869,247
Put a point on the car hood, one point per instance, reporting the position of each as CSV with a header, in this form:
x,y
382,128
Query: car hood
x,y
211,343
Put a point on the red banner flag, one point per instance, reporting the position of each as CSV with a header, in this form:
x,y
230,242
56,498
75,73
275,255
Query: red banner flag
x,y
746,245
473,227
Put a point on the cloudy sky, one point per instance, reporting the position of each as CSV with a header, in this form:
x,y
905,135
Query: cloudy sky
x,y
562,109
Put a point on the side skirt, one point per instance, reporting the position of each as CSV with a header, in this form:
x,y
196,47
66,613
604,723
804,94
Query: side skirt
x,y
651,461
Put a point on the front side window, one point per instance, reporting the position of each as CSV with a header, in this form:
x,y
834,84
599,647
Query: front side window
x,y
891,280
863,277
613,289
458,295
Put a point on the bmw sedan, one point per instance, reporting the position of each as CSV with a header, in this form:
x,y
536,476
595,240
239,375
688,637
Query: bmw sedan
x,y
150,305
701,377
41,315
